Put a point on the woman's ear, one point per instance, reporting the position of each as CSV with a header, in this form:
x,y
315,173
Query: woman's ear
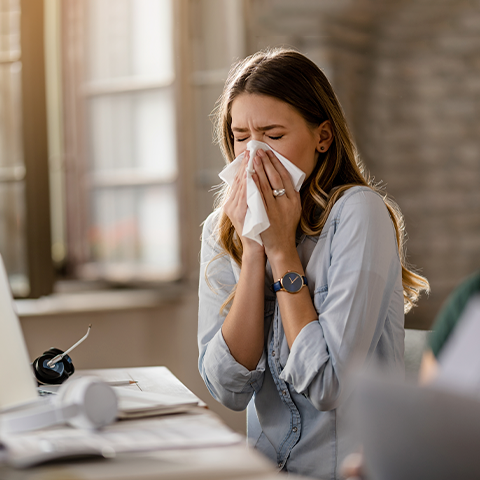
x,y
325,136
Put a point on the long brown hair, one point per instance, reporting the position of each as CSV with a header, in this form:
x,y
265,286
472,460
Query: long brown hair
x,y
289,76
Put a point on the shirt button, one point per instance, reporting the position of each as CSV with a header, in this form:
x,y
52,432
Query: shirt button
x,y
280,465
284,392
294,429
273,353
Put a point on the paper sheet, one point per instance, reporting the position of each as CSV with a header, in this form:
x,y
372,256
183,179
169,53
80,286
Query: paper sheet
x,y
168,432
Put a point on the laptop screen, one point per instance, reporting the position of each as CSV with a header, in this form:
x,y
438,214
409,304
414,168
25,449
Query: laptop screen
x,y
19,385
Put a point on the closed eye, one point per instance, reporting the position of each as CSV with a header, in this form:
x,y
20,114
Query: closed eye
x,y
241,139
275,138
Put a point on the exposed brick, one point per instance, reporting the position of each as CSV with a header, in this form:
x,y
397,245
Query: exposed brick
x,y
408,76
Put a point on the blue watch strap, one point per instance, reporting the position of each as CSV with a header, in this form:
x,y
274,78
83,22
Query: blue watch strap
x,y
277,286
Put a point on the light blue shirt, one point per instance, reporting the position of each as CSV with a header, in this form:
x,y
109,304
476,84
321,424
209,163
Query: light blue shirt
x,y
297,399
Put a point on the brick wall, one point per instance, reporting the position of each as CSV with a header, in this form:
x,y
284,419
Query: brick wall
x,y
408,76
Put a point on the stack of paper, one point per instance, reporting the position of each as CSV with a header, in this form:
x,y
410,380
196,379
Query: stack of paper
x,y
161,433
135,403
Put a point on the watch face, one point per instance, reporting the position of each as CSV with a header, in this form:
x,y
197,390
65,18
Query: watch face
x,y
292,282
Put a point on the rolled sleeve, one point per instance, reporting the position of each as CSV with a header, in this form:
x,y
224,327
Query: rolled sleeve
x,y
234,383
302,367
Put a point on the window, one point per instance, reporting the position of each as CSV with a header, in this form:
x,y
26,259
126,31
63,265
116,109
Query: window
x,y
121,139
12,168
121,190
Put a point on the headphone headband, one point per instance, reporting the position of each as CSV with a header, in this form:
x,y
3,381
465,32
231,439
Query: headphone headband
x,y
84,402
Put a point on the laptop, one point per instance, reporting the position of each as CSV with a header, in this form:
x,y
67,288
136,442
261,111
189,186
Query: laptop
x,y
19,385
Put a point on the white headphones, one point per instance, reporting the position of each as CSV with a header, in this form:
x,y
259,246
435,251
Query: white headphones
x,y
84,402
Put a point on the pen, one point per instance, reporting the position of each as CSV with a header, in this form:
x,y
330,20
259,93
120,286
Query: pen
x,y
117,383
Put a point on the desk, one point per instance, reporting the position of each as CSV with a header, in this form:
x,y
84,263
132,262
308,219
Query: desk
x,y
230,461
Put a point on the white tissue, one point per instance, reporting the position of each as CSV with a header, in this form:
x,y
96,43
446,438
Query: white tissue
x,y
256,219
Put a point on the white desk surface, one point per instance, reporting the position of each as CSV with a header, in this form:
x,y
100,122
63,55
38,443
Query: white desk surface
x,y
218,462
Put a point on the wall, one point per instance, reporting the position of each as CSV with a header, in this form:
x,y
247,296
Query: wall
x,y
407,73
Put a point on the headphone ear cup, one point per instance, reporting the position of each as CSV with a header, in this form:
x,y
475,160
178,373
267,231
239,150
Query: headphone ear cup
x,y
95,400
84,402
68,365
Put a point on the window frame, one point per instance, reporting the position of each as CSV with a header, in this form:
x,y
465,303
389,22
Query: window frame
x,y
35,149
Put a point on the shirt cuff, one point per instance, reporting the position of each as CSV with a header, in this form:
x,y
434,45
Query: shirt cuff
x,y
307,357
230,374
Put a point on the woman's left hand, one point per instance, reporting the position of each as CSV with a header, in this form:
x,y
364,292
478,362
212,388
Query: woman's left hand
x,y
283,211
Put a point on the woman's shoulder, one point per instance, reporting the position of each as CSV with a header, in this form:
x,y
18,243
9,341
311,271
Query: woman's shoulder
x,y
210,223
362,200
209,227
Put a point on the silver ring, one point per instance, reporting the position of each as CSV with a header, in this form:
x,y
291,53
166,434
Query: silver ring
x,y
279,193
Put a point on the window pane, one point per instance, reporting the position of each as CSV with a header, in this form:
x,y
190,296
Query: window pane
x,y
10,116
12,235
129,38
131,140
9,28
12,187
135,230
135,130
152,22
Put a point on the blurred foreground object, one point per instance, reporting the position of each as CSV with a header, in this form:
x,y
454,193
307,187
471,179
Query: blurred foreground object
x,y
431,432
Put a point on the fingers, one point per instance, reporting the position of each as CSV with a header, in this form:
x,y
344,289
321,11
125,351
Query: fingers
x,y
261,179
275,169
272,174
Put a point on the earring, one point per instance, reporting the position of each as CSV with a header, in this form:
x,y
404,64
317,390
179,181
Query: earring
x,y
322,148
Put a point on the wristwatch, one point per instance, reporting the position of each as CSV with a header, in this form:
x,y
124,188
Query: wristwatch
x,y
291,282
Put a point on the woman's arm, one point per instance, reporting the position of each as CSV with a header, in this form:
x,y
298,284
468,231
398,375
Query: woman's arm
x,y
241,333
228,381
359,307
297,310
243,329
347,317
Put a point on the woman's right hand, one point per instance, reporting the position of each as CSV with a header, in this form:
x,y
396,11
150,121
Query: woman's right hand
x,y
236,208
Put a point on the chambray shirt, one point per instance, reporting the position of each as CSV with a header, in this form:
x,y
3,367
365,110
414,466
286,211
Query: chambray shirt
x,y
297,399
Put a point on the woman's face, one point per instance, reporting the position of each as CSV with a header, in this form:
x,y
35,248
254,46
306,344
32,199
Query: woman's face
x,y
278,124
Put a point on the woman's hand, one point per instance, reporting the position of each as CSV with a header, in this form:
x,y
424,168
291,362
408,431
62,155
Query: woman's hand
x,y
236,207
283,211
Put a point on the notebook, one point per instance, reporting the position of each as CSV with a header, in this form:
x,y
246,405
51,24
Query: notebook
x,y
20,386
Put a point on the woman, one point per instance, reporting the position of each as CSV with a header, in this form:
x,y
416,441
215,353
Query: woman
x,y
336,247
